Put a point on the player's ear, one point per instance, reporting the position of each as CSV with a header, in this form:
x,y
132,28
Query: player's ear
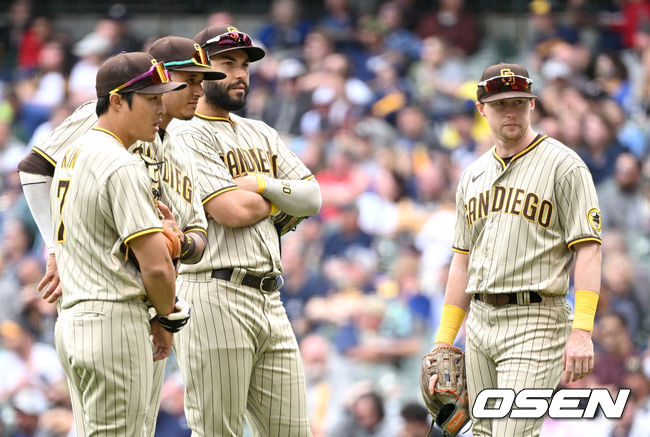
x,y
115,100
479,107
532,104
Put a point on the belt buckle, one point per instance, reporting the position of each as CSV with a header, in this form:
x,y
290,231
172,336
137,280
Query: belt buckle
x,y
273,285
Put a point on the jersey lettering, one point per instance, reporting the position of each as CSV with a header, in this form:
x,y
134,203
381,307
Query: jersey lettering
x,y
242,161
513,201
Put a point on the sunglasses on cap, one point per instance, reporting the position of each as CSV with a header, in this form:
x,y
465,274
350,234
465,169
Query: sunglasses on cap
x,y
157,72
198,58
501,84
231,39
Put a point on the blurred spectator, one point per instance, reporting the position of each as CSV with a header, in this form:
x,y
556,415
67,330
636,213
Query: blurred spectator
x,y
12,150
40,92
453,24
171,418
611,75
416,422
346,233
28,403
436,77
640,384
301,283
93,49
114,26
398,39
26,363
547,28
11,34
365,417
286,29
33,39
339,22
288,102
614,349
628,130
599,148
622,198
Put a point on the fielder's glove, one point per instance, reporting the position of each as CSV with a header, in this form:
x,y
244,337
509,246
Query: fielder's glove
x,y
284,222
449,404
173,322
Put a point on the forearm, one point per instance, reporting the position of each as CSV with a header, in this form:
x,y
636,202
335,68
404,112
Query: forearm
x,y
37,194
193,247
159,282
238,208
300,198
456,302
587,285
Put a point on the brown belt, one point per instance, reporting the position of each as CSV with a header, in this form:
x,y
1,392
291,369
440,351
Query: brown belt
x,y
507,298
262,283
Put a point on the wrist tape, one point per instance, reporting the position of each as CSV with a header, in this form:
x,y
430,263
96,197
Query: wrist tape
x,y
452,318
585,310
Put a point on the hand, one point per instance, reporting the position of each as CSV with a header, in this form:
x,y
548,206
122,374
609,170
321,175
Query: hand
x,y
578,356
53,291
434,378
162,340
247,182
173,322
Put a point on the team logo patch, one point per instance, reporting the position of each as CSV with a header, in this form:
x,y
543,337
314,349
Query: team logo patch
x,y
593,217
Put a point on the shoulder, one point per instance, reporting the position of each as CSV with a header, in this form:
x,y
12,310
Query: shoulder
x,y
250,123
478,165
563,155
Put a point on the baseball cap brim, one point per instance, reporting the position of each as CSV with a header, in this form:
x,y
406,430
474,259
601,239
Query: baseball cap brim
x,y
208,74
507,95
160,88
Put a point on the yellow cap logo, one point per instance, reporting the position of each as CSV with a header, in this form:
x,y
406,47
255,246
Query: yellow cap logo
x,y
593,217
507,72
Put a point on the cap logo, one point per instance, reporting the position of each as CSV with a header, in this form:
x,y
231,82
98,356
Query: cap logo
x,y
507,72
232,29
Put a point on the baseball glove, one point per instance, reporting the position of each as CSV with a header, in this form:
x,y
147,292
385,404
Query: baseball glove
x,y
284,222
171,233
449,404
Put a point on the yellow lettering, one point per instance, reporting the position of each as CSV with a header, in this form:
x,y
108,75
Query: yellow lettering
x,y
530,207
499,196
545,213
516,202
187,189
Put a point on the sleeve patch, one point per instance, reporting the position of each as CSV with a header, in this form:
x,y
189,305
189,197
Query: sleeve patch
x,y
594,219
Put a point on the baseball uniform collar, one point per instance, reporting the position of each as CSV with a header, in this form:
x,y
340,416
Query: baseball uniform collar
x,y
110,133
210,118
538,139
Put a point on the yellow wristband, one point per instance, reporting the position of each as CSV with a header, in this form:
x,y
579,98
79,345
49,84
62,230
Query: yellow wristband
x,y
452,318
274,209
585,310
261,183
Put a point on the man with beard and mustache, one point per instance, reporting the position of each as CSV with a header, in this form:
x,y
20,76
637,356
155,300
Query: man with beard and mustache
x,y
239,356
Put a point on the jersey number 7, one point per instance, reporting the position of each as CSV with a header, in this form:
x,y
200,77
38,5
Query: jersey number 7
x,y
61,192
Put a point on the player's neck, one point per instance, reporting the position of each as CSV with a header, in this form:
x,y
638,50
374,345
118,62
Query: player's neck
x,y
166,119
204,108
107,123
506,149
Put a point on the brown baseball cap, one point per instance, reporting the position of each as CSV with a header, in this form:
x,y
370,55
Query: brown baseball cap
x,y
504,81
183,54
219,39
125,67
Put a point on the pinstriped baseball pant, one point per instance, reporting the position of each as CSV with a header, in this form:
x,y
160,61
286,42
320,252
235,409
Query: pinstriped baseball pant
x,y
517,347
240,360
106,353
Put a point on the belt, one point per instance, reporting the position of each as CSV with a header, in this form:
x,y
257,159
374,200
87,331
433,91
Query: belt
x,y
508,298
262,283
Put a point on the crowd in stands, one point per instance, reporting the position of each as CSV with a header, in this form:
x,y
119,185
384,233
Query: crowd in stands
x,y
378,101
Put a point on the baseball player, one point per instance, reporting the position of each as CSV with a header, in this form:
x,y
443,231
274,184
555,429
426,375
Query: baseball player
x,y
240,358
102,211
170,169
525,210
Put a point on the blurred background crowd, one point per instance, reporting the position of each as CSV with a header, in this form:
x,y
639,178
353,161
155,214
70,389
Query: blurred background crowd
x,y
377,98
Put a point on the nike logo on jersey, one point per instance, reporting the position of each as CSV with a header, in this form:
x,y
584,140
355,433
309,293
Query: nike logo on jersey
x,y
474,178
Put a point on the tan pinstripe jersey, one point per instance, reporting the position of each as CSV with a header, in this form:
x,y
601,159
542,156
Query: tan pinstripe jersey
x,y
176,174
100,199
518,222
224,150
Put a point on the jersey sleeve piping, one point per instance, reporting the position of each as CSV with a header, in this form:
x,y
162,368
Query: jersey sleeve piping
x,y
582,240
44,155
216,193
195,230
128,239
463,251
